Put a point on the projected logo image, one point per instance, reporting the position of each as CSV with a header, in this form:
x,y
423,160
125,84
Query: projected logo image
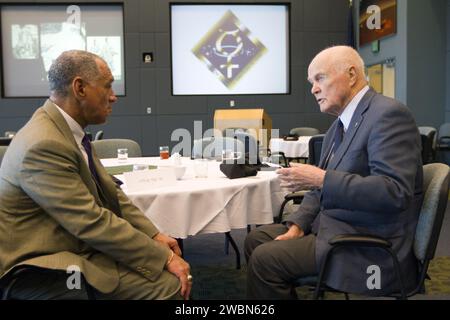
x,y
229,50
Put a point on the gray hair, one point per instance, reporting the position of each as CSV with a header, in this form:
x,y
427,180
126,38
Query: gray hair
x,y
69,65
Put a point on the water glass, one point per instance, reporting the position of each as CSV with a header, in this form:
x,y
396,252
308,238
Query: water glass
x,y
201,168
122,155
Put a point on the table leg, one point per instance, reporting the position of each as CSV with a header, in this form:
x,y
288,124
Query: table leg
x,y
180,244
233,244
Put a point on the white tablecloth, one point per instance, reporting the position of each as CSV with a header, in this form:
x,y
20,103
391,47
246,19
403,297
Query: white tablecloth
x,y
207,205
291,149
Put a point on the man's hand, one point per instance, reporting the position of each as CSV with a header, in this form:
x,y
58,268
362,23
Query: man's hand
x,y
168,241
301,177
294,232
181,270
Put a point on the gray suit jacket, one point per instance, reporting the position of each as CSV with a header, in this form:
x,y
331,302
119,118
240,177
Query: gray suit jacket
x,y
373,185
52,216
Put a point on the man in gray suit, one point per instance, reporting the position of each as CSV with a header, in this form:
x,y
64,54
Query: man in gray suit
x,y
60,210
369,181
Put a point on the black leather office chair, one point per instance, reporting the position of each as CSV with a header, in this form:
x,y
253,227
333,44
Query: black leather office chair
x,y
315,149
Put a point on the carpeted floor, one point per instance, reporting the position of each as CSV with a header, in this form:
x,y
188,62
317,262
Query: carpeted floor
x,y
227,283
216,278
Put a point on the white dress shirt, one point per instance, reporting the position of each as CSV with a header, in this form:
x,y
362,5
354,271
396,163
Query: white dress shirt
x,y
77,131
347,114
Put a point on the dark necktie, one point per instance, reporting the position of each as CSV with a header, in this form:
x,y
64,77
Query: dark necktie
x,y
338,135
110,203
87,146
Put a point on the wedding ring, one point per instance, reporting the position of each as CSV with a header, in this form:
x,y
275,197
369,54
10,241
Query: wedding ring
x,y
189,278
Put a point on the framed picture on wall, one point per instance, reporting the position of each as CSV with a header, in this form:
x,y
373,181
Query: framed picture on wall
x,y
377,19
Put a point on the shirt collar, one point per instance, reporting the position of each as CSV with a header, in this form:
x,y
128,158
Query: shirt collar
x,y
77,130
347,115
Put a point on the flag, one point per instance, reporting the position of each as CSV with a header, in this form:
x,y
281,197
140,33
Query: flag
x,y
351,27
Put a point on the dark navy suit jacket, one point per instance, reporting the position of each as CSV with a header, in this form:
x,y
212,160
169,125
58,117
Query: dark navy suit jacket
x,y
373,185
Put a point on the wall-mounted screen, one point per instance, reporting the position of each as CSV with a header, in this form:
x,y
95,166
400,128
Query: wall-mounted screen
x,y
230,49
33,35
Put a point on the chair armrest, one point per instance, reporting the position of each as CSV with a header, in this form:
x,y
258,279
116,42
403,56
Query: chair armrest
x,y
361,240
295,195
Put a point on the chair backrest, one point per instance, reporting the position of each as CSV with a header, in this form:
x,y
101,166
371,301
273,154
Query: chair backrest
x,y
435,182
304,131
428,138
427,149
315,149
2,152
99,135
211,147
107,148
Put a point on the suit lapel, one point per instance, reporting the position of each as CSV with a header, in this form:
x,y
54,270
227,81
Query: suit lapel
x,y
108,198
326,146
355,124
108,187
62,125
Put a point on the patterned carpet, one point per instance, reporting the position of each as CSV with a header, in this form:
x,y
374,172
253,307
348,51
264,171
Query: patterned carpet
x,y
223,282
439,272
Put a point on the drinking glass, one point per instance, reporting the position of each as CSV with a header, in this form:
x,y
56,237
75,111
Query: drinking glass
x,y
122,155
164,152
201,168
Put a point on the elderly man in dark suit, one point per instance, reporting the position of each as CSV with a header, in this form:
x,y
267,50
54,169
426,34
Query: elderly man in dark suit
x,y
60,210
369,181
